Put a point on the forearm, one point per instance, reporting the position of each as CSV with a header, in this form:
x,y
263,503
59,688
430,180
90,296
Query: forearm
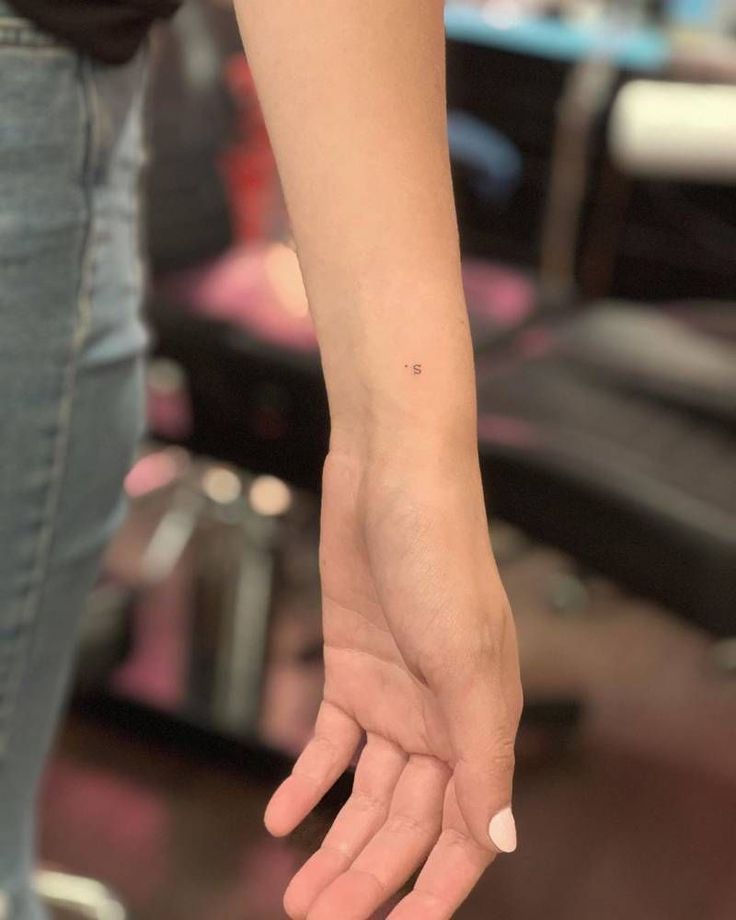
x,y
353,93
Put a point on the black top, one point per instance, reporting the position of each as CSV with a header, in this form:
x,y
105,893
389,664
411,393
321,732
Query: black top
x,y
111,30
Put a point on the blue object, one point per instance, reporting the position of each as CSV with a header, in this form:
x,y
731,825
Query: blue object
x,y
638,48
692,12
491,162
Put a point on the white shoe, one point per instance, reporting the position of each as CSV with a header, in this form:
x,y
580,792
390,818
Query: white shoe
x,y
82,896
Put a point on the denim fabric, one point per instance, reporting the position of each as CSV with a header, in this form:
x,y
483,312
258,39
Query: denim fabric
x,y
71,344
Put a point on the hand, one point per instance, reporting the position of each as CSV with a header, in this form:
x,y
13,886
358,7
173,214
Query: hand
x,y
421,661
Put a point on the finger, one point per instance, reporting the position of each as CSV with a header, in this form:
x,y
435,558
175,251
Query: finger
x,y
322,762
482,705
397,849
450,873
379,768
484,772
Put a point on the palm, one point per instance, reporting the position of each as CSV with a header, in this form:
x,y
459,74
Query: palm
x,y
366,676
403,807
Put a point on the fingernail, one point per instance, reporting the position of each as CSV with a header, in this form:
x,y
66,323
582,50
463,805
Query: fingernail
x,y
502,831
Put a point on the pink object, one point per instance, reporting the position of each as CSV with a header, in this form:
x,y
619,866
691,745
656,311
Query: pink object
x,y
157,669
504,430
499,294
258,287
128,823
169,414
154,471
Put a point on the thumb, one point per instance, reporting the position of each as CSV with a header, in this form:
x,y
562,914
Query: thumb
x,y
482,728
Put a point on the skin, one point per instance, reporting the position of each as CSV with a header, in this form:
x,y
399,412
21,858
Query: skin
x,y
421,659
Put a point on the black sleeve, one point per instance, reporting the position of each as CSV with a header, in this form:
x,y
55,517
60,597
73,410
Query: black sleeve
x,y
110,30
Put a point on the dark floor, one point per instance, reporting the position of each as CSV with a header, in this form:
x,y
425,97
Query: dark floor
x,y
635,821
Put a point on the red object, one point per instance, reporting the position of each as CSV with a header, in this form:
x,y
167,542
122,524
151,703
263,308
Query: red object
x,y
249,167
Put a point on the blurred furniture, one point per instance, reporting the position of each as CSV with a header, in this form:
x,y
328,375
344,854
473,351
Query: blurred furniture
x,y
670,149
612,435
511,71
656,241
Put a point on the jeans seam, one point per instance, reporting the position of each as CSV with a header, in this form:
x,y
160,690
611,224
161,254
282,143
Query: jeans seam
x,y
91,105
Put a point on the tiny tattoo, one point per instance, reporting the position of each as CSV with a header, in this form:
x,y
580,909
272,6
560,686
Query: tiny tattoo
x,y
415,368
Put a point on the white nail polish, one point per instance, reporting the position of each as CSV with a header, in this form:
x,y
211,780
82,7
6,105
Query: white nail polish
x,y
502,831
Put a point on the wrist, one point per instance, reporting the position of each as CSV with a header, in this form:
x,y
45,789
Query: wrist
x,y
439,466
440,445
406,387
424,423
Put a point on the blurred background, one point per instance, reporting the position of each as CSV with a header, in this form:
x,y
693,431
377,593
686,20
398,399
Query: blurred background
x,y
593,151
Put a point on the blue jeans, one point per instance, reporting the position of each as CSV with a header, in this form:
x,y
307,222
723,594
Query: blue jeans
x,y
71,346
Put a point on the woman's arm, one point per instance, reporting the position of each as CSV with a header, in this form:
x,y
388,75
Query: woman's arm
x,y
354,98
420,651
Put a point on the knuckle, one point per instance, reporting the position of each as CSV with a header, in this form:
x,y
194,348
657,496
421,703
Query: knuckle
x,y
404,824
503,758
324,745
455,839
365,802
376,879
